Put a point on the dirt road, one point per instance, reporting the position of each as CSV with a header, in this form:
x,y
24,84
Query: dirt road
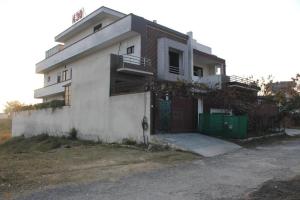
x,y
231,176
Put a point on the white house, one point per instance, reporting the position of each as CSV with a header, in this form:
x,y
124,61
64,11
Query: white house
x,y
103,67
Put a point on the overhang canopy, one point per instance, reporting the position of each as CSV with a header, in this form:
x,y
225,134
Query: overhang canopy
x,y
92,18
205,58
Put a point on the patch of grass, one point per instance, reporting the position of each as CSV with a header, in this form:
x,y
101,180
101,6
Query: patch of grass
x,y
5,136
127,141
5,124
29,163
5,130
41,143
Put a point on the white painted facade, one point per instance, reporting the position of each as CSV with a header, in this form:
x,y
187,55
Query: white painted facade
x,y
93,112
201,47
86,56
88,31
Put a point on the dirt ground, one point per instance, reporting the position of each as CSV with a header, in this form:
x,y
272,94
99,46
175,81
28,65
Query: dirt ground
x,y
233,176
278,190
42,161
5,130
276,139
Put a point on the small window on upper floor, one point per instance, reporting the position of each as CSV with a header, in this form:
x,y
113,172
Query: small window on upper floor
x,y
218,70
58,78
97,28
130,50
64,75
174,61
198,71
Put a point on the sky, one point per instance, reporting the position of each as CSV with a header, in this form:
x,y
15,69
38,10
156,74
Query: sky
x,y
255,37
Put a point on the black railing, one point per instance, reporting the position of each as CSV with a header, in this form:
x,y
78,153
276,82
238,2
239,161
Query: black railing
x,y
56,83
242,80
135,60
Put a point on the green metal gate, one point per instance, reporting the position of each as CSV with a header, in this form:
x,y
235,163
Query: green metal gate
x,y
223,125
164,115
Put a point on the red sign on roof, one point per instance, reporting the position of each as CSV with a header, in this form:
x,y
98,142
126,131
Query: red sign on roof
x,y
78,15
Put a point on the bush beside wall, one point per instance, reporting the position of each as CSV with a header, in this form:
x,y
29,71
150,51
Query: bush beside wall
x,y
52,104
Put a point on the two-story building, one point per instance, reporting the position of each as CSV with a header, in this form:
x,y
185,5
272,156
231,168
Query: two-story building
x,y
103,67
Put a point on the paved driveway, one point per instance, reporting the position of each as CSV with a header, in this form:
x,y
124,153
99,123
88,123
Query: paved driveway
x,y
229,176
198,143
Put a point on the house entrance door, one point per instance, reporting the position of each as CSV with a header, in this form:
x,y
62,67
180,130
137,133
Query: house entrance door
x,y
184,114
177,114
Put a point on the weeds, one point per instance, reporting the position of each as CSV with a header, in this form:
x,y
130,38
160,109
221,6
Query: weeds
x,y
127,141
73,134
41,143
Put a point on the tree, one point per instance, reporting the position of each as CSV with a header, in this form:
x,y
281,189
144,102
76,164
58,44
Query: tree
x,y
296,80
13,106
285,94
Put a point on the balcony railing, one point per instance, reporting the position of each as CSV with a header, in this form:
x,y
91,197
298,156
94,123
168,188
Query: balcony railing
x,y
100,39
242,82
54,50
239,79
217,81
130,64
212,81
135,60
52,89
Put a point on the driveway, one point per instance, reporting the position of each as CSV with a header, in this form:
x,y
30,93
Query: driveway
x,y
229,176
198,143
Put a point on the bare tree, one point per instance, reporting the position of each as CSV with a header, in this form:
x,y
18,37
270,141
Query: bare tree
x,y
13,106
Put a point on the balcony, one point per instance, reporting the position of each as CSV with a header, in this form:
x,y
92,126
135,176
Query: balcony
x,y
246,83
212,81
54,50
111,34
218,81
129,64
51,89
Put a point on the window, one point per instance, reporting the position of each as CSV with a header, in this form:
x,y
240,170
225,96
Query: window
x,y
198,71
49,78
97,28
58,79
68,95
174,62
130,50
218,70
64,75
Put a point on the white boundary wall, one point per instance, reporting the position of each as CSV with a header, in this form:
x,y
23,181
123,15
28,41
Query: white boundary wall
x,y
123,121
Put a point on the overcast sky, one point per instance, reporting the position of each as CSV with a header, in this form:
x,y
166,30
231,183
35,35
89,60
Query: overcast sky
x,y
255,37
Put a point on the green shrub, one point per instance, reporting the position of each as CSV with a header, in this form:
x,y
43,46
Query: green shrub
x,y
127,141
52,104
73,134
57,103
40,138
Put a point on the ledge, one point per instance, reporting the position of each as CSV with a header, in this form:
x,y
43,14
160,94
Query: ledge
x,y
109,35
